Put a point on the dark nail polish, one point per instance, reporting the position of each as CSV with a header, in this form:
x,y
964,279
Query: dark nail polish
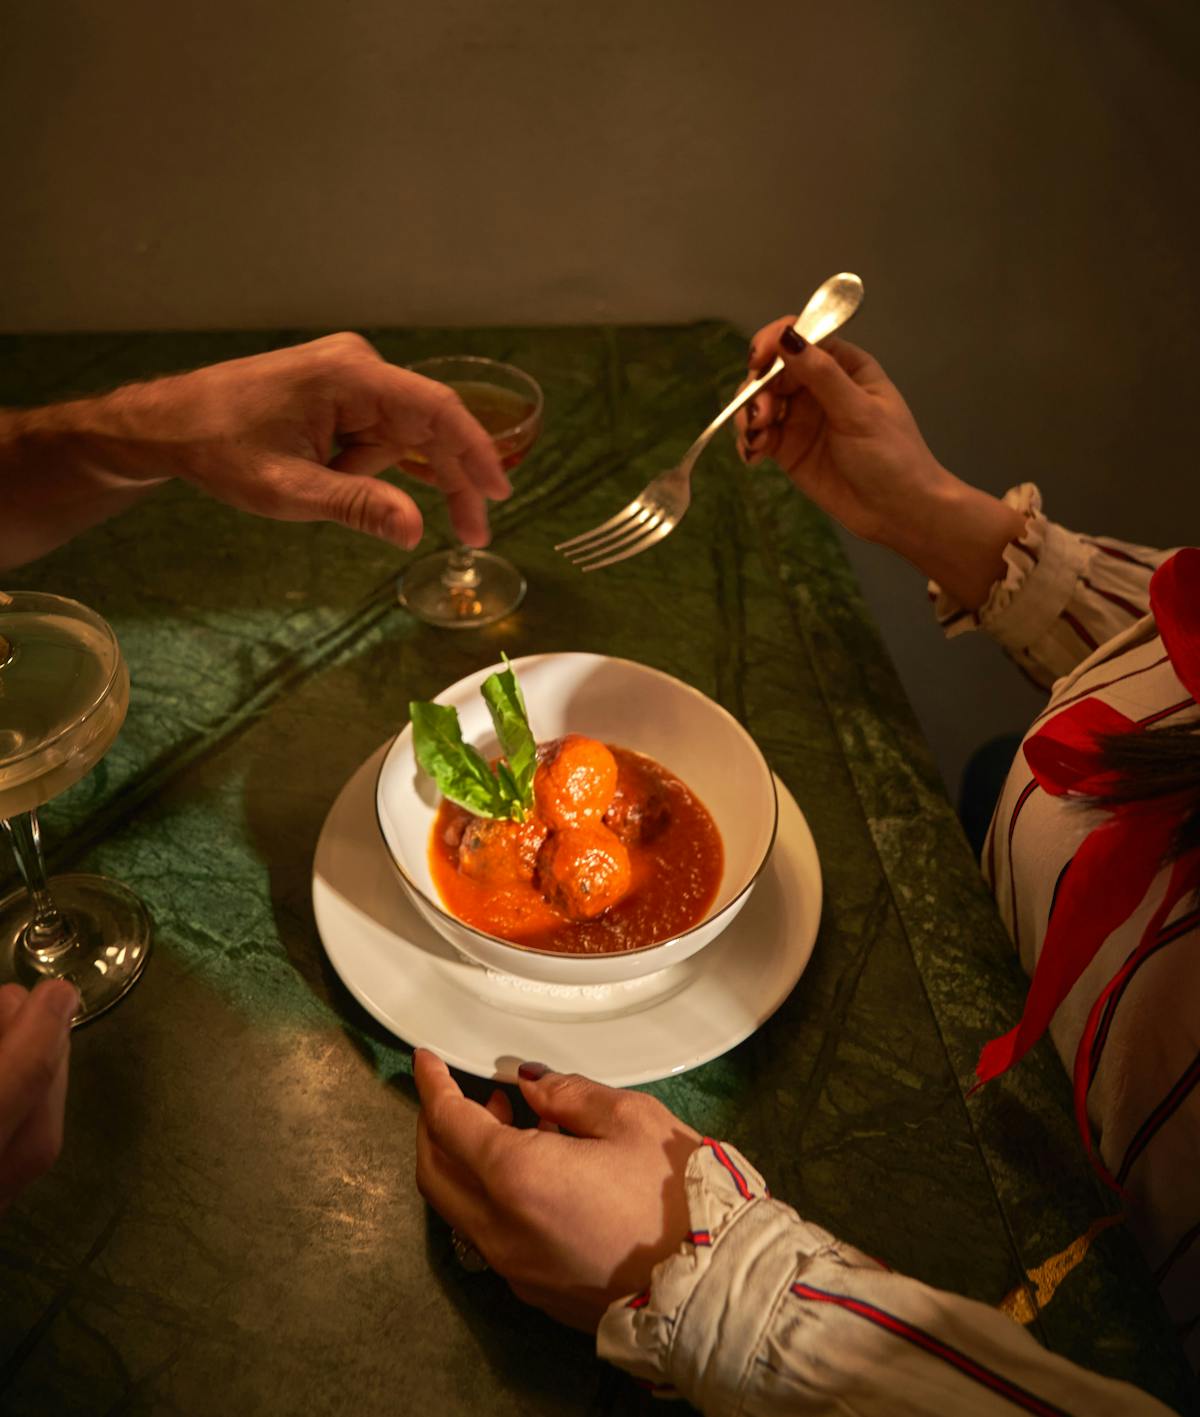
x,y
532,1072
792,342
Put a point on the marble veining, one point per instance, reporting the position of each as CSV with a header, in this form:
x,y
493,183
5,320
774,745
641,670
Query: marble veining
x,y
234,1205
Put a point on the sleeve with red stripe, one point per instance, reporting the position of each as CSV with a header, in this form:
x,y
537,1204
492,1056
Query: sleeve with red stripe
x,y
763,1313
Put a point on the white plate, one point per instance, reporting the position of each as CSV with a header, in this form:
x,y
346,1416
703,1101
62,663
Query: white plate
x,y
416,985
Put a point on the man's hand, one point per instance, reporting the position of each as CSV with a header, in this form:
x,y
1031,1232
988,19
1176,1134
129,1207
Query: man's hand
x,y
35,1041
297,434
571,1221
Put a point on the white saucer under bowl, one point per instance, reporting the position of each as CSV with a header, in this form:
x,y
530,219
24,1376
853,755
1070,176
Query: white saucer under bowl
x,y
410,979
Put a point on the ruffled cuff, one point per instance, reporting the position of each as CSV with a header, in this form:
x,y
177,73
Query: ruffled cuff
x,y
695,1331
1041,570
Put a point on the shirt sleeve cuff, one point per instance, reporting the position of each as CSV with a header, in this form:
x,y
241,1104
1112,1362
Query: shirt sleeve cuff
x,y
696,1329
1041,570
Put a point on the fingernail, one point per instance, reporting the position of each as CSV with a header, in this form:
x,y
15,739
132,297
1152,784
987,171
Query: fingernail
x,y
792,342
751,410
532,1072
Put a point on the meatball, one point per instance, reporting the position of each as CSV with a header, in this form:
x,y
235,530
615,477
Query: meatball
x,y
639,810
574,782
500,853
583,870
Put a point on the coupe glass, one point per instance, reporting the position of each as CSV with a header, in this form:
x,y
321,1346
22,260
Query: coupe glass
x,y
64,691
463,589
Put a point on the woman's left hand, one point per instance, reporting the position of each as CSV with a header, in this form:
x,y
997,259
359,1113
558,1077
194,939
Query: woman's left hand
x,y
572,1222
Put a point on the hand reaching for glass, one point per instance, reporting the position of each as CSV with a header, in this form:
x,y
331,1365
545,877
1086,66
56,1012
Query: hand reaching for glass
x,y
297,434
572,1222
35,1034
842,432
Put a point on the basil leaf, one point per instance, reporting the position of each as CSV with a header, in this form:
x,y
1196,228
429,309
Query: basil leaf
x,y
506,704
510,791
460,771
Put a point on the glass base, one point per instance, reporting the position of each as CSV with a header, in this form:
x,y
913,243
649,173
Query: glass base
x,y
112,942
493,590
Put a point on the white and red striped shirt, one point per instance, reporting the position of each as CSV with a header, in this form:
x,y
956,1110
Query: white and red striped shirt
x,y
763,1313
1087,601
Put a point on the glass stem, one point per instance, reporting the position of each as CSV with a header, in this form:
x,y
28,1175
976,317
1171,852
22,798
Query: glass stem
x,y
49,934
461,575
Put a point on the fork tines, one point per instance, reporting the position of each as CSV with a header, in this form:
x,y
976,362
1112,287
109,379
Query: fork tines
x,y
635,528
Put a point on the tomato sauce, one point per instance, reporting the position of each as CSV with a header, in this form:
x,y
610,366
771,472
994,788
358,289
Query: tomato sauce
x,y
676,862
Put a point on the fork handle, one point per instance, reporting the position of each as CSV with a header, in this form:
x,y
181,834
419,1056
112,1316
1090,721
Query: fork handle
x,y
741,397
829,307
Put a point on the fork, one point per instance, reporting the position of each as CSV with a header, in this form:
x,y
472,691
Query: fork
x,y
659,507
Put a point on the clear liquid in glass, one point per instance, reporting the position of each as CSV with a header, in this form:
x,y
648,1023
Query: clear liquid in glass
x,y
64,694
52,733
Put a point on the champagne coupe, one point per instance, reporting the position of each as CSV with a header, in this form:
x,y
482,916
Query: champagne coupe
x,y
463,588
64,691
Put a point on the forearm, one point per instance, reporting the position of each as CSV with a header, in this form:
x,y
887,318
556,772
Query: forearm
x,y
68,466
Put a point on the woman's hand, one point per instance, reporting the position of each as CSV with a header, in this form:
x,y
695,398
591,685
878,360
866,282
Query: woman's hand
x,y
35,1041
840,429
298,434
572,1222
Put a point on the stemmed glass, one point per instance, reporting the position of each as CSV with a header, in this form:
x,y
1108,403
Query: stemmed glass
x,y
462,589
64,692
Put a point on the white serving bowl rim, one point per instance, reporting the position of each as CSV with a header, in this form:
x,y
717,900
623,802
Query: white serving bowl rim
x,y
707,920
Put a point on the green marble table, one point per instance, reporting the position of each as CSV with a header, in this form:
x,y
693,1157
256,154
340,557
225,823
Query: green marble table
x,y
233,1224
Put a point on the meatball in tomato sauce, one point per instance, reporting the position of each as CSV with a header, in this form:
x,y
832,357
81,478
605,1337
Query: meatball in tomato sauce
x,y
583,870
574,782
500,853
639,811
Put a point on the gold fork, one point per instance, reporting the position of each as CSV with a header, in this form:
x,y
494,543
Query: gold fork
x,y
659,507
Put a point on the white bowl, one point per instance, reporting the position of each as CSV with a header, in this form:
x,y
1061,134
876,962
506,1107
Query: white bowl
x,y
618,702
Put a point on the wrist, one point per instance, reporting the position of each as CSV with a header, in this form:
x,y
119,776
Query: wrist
x,y
116,441
63,469
959,539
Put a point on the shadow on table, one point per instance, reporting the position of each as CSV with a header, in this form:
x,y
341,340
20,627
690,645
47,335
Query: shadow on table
x,y
554,1368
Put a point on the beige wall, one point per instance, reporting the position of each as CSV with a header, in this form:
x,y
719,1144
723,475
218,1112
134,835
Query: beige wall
x,y
1016,180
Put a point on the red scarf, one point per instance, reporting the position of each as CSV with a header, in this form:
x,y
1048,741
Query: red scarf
x,y
1118,860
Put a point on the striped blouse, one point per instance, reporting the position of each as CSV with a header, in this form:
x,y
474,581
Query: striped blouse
x,y
761,1312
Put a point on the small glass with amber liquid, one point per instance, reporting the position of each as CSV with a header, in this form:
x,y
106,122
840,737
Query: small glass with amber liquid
x,y
463,588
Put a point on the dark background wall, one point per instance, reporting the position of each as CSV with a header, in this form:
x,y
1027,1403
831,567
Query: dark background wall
x,y
1016,182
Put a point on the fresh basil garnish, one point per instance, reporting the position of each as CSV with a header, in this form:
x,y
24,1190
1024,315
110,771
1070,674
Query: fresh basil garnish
x,y
506,704
460,771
